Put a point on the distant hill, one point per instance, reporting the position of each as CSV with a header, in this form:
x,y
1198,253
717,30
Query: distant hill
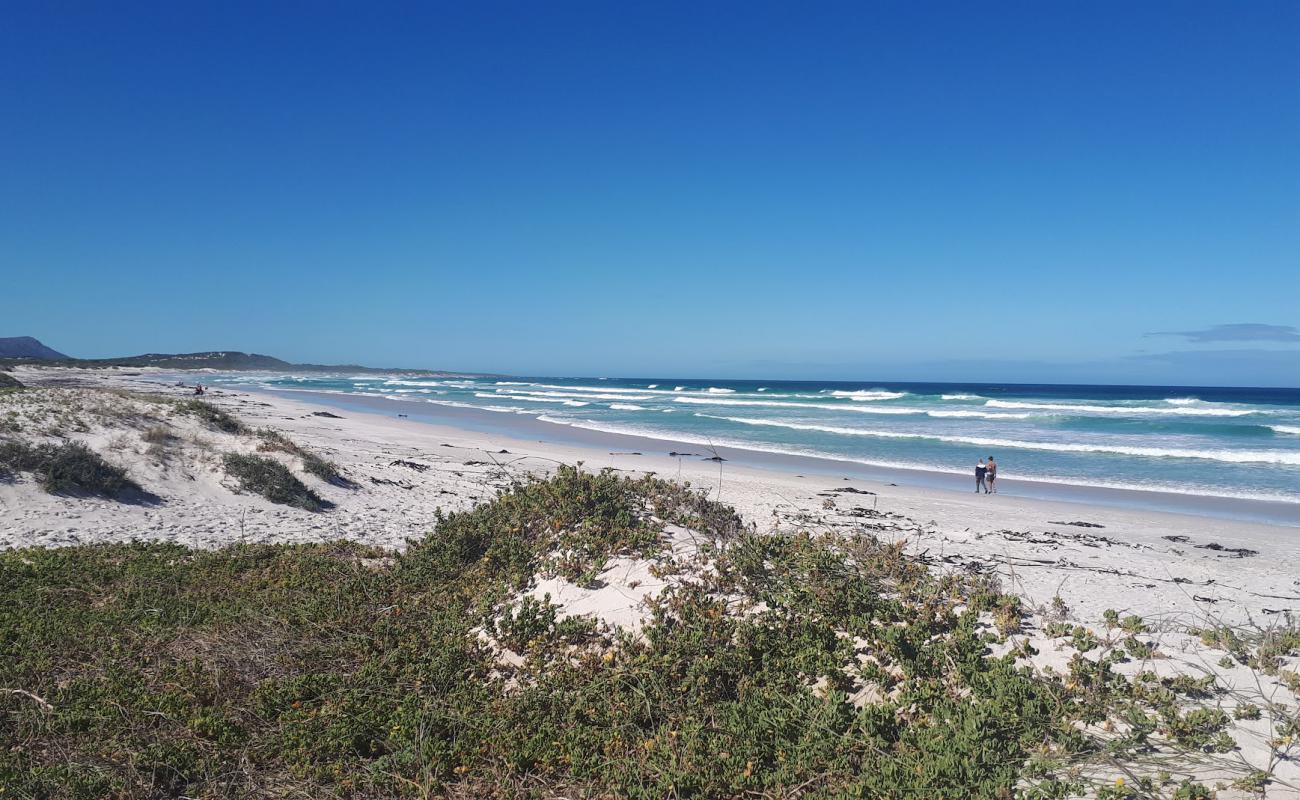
x,y
212,359
27,347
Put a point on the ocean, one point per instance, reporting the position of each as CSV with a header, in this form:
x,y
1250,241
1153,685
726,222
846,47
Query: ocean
x,y
1207,441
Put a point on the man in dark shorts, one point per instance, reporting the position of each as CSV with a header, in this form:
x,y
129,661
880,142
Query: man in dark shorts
x,y
980,471
992,476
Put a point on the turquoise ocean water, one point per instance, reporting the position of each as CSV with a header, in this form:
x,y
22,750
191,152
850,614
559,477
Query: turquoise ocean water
x,y
1225,442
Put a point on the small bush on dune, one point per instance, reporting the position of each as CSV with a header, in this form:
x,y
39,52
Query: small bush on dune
x,y
274,441
160,439
272,480
211,416
10,453
77,468
17,456
324,469
158,434
66,469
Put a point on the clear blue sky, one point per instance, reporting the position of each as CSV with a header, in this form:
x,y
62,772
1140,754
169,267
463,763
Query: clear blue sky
x,y
865,190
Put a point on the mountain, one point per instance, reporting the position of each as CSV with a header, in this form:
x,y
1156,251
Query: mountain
x,y
27,347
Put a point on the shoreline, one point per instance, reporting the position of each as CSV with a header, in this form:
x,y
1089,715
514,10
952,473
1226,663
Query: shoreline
x,y
529,427
1161,565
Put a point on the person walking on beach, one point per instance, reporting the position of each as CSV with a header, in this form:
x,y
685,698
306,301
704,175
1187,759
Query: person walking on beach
x,y
990,486
980,471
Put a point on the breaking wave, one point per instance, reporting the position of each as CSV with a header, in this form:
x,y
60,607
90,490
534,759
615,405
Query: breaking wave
x,y
1231,456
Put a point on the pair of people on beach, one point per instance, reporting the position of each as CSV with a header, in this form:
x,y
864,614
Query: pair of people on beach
x,y
985,476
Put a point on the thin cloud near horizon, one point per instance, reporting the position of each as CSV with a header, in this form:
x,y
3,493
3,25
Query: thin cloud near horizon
x,y
1237,332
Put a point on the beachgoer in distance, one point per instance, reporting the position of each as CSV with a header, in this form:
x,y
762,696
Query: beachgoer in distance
x,y
980,471
991,477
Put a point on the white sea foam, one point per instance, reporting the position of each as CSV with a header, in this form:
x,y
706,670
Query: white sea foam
x,y
1231,456
719,390
530,399
679,388
402,382
653,386
718,401
869,394
961,413
595,389
1182,401
453,403
881,410
626,407
960,397
1293,430
1123,410
578,395
762,388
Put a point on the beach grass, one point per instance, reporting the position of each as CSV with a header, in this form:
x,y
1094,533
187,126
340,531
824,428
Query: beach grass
x,y
272,480
312,463
69,468
212,416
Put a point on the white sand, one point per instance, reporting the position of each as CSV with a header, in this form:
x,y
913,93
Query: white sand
x,y
405,471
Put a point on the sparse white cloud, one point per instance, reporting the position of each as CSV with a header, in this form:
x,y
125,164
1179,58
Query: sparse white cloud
x,y
1238,332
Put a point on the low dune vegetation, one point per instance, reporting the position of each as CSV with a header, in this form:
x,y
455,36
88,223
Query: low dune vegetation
x,y
70,468
313,464
272,480
783,665
57,435
212,416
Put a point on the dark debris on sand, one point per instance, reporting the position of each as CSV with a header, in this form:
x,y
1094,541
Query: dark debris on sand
x,y
1235,552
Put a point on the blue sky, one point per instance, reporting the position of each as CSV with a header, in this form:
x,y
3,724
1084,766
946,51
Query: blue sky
x,y
890,190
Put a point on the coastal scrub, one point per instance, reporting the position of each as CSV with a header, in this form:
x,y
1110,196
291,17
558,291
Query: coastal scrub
x,y
810,664
272,480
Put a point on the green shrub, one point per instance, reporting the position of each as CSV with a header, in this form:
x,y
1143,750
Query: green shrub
x,y
274,441
211,416
16,456
272,480
158,435
326,470
69,468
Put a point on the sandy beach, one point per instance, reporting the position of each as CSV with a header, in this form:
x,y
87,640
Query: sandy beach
x,y
1070,562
